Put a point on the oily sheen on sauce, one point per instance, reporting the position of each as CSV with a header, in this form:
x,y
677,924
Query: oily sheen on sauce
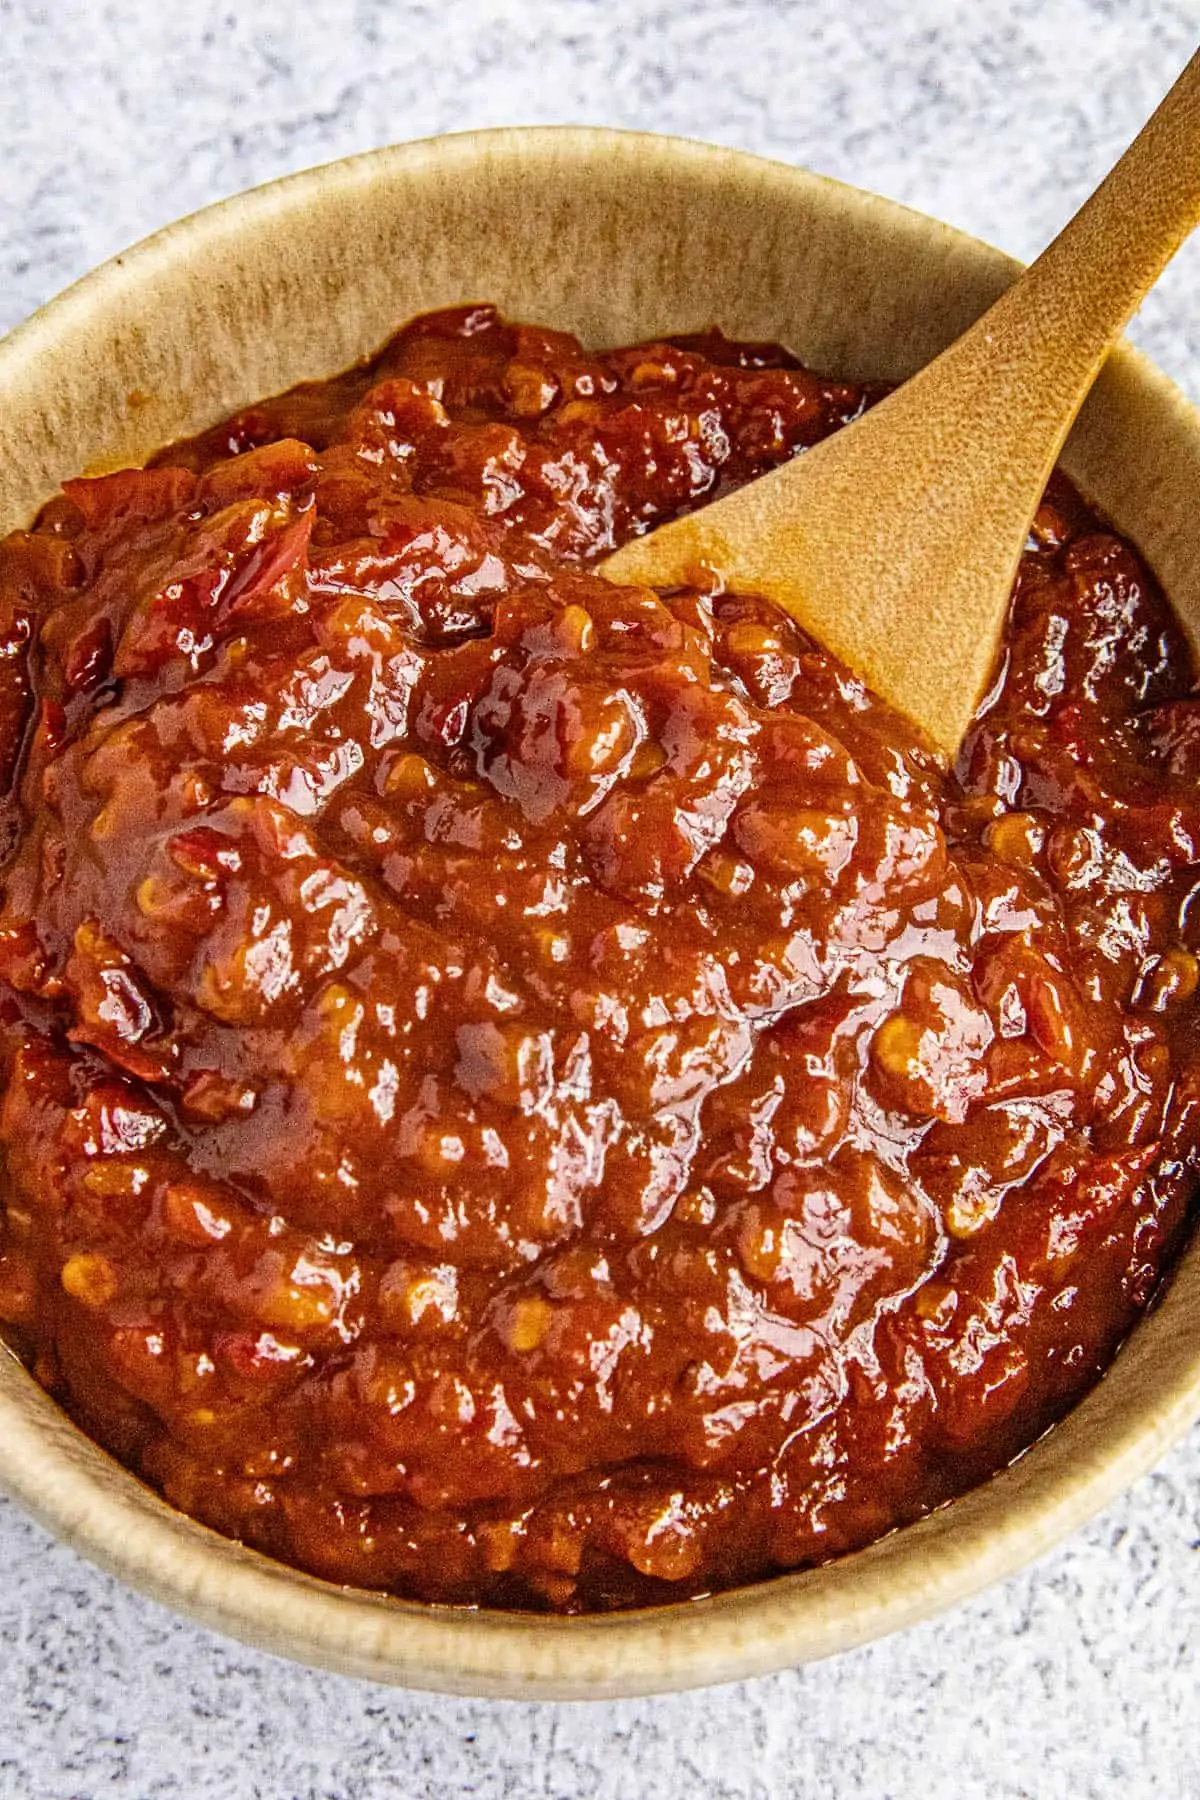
x,y
526,1092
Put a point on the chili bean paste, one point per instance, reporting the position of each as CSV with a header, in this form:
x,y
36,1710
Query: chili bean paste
x,y
530,1092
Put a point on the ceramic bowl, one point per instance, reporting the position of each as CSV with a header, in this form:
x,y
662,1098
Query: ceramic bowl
x,y
614,236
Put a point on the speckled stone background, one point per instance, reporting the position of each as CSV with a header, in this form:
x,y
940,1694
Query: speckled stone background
x,y
1077,1679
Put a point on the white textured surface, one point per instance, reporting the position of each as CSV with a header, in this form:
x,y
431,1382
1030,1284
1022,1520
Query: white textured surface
x,y
1075,1680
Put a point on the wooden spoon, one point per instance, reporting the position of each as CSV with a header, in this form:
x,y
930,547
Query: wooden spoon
x,y
895,542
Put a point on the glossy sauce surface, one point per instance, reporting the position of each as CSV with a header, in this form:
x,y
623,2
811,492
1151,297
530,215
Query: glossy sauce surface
x,y
528,1092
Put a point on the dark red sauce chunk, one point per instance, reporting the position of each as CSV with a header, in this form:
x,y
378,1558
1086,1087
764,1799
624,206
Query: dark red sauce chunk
x,y
529,1092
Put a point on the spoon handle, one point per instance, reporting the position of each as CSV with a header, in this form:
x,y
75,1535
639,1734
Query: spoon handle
x,y
1053,328
895,542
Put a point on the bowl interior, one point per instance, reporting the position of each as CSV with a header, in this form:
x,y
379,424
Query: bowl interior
x,y
613,236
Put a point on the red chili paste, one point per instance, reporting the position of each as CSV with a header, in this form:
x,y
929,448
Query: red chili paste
x,y
529,1092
